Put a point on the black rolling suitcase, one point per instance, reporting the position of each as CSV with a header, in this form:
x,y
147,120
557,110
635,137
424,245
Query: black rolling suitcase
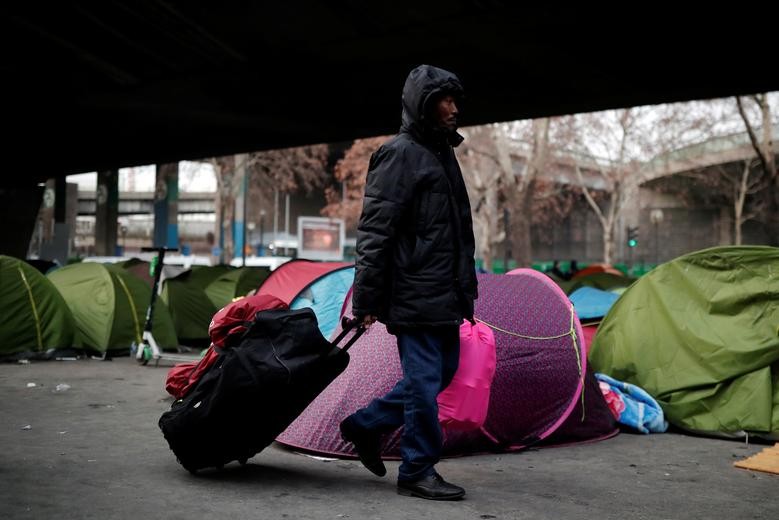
x,y
255,389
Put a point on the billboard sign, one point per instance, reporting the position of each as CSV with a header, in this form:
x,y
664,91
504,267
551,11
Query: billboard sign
x,y
320,238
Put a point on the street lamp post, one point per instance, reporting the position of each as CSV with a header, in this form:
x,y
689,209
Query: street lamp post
x,y
251,226
123,229
245,196
261,250
656,217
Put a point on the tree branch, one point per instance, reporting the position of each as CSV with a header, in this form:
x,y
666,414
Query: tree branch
x,y
752,137
485,154
590,199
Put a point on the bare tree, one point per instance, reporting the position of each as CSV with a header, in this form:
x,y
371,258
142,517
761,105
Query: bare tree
x,y
519,193
482,172
351,171
741,188
609,134
289,170
554,202
764,149
498,178
621,143
734,185
300,169
226,190
746,187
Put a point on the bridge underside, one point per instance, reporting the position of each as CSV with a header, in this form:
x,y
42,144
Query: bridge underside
x,y
100,85
109,84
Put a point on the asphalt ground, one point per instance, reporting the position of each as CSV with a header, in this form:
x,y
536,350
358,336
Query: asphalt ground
x,y
80,440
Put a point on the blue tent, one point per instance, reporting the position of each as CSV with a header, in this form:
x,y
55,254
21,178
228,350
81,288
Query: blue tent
x,y
326,296
591,303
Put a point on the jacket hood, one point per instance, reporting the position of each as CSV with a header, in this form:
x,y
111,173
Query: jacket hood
x,y
423,84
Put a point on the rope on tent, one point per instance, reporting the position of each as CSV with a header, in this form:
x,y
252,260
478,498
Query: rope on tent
x,y
34,309
138,336
571,332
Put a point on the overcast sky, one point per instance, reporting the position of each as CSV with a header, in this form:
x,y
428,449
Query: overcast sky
x,y
193,176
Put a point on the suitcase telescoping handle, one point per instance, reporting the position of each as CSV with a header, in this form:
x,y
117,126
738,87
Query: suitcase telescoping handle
x,y
348,324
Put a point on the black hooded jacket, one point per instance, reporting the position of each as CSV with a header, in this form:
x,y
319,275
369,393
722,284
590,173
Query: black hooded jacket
x,y
415,247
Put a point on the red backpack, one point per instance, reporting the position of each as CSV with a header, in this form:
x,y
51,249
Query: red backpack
x,y
227,325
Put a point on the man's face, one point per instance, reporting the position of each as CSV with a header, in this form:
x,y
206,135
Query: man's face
x,y
446,113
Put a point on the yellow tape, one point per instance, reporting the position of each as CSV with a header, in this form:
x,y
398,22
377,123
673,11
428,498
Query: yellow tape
x,y
138,335
34,309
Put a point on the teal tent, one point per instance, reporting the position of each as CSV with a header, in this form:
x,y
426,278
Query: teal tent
x,y
322,286
601,281
326,297
591,303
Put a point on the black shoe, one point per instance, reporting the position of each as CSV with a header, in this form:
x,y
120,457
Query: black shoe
x,y
432,487
368,447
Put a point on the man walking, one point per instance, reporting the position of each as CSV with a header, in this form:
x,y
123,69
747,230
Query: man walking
x,y
415,273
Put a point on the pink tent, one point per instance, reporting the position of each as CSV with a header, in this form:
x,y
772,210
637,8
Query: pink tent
x,y
290,278
542,391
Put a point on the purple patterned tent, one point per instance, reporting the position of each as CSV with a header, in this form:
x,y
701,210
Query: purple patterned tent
x,y
537,390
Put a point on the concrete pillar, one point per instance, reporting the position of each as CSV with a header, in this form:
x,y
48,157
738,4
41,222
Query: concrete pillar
x,y
18,211
166,197
47,214
60,200
106,212
57,247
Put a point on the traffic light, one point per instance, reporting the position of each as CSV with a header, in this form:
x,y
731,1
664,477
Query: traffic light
x,y
632,236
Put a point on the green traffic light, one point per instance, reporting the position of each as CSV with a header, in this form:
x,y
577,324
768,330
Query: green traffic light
x,y
632,242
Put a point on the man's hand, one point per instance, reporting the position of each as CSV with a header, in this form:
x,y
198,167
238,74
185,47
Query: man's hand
x,y
368,320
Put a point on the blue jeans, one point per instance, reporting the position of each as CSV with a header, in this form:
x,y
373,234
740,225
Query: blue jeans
x,y
429,359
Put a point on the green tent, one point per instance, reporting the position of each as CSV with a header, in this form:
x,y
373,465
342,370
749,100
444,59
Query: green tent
x,y
203,275
33,315
235,282
701,335
189,307
139,268
109,307
602,281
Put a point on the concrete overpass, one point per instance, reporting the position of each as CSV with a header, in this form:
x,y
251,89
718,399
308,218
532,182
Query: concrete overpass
x,y
101,85
716,151
142,203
